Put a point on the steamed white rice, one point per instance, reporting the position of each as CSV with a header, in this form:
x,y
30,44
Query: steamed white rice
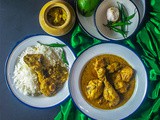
x,y
25,80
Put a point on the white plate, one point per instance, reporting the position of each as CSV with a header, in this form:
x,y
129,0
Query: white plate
x,y
87,23
140,87
38,101
100,19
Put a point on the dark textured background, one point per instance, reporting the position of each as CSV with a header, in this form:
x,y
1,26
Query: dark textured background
x,y
18,19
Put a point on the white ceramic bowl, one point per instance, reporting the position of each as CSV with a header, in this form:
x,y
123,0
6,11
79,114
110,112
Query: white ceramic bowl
x,y
140,87
36,101
100,19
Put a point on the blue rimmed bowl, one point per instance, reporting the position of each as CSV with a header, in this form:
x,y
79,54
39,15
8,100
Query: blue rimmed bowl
x,y
100,19
139,91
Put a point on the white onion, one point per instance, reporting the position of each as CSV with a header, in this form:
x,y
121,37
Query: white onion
x,y
112,14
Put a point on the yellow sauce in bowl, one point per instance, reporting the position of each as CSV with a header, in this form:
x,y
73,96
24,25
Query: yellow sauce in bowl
x,y
57,17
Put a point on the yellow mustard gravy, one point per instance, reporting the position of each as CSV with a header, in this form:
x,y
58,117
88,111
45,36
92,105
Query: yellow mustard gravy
x,y
89,73
56,16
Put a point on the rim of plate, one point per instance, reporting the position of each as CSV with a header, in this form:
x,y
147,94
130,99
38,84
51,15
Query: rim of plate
x,y
84,106
88,33
140,23
122,39
6,66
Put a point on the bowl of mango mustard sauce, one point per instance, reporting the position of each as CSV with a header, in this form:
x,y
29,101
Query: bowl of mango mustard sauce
x,y
57,17
110,83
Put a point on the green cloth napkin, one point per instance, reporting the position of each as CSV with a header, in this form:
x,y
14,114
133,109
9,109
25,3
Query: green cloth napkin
x,y
147,45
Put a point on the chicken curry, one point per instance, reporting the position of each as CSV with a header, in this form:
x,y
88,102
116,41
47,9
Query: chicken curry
x,y
107,81
50,78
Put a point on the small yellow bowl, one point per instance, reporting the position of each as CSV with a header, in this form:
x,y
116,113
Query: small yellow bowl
x,y
67,18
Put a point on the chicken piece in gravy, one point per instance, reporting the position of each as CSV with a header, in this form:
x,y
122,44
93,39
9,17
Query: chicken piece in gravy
x,y
51,78
107,81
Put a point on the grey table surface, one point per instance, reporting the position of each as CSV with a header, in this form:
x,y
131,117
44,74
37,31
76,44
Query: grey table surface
x,y
18,19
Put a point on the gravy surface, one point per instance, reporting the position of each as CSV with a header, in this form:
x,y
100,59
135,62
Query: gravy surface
x,y
89,73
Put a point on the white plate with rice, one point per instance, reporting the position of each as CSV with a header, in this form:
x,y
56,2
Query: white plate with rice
x,y
23,83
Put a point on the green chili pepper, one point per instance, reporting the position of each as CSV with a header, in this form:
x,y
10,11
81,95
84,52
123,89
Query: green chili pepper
x,y
120,31
53,44
130,17
64,57
121,25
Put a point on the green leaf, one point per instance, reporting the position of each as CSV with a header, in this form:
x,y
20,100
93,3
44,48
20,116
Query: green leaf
x,y
53,44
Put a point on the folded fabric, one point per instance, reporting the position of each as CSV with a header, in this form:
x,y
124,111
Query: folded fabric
x,y
147,45
81,41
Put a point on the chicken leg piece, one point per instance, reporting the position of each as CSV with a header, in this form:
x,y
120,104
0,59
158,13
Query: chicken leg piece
x,y
109,92
94,89
99,67
122,78
50,77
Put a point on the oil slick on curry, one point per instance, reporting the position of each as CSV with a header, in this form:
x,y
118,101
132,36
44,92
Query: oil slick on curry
x,y
107,81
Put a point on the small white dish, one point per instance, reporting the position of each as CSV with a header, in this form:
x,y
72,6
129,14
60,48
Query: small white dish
x,y
36,101
87,23
140,87
100,19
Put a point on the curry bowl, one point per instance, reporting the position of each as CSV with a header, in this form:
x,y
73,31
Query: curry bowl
x,y
116,19
84,70
57,17
23,87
